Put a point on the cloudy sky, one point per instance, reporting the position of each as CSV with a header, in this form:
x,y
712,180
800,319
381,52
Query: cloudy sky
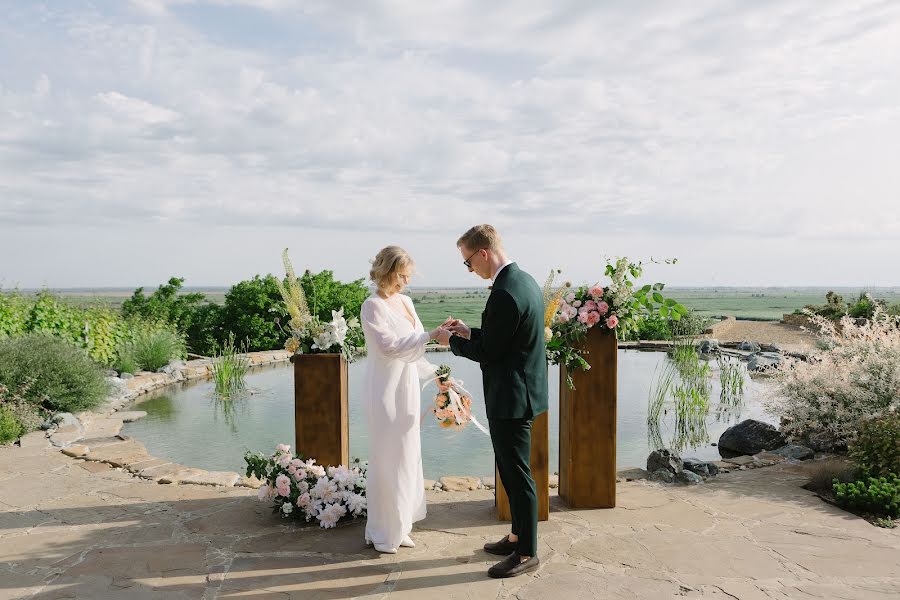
x,y
757,142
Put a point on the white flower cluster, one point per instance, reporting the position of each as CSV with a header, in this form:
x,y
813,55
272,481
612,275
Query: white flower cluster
x,y
324,494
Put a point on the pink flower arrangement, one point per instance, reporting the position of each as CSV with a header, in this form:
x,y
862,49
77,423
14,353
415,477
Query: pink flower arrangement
x,y
612,321
596,292
304,489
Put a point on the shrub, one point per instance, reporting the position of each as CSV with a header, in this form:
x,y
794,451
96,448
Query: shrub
x,y
165,304
205,330
64,377
10,428
878,496
876,449
17,415
250,312
856,378
823,474
150,347
13,313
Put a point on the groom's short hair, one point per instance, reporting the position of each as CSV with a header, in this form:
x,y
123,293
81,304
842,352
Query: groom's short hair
x,y
480,237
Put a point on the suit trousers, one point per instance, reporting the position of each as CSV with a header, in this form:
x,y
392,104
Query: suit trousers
x,y
511,439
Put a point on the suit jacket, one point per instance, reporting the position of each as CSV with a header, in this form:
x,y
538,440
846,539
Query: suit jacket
x,y
510,347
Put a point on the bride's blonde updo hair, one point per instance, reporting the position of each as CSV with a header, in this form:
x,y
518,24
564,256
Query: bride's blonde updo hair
x,y
386,264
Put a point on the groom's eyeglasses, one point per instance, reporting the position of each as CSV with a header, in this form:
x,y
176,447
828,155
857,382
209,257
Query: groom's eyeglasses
x,y
467,263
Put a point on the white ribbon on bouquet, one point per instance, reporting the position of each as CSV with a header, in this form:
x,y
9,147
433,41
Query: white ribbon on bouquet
x,y
456,403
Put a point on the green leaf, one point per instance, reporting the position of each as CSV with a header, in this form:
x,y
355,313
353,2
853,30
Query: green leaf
x,y
646,288
670,302
658,298
664,311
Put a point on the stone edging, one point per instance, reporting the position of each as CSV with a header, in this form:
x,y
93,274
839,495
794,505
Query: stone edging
x,y
94,436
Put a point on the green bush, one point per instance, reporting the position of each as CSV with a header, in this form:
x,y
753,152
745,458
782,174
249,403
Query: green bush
x,y
205,330
252,313
879,496
165,304
64,377
654,327
150,347
876,449
13,313
10,428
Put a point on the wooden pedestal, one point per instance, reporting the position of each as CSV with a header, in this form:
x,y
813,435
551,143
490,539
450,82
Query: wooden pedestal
x,y
321,415
540,470
587,427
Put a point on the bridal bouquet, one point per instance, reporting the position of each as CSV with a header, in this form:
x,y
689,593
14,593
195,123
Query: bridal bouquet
x,y
303,489
618,306
453,403
309,333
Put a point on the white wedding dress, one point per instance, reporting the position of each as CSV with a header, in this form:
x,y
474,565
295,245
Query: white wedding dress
x,y
395,363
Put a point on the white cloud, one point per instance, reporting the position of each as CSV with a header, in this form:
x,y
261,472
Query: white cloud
x,y
759,123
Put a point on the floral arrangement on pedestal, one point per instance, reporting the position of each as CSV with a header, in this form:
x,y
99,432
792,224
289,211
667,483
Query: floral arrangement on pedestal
x,y
308,333
570,312
302,489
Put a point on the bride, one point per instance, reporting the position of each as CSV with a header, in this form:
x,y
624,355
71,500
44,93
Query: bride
x,y
396,340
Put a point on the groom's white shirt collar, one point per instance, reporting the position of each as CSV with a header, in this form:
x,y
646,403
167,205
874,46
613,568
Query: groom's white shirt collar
x,y
503,266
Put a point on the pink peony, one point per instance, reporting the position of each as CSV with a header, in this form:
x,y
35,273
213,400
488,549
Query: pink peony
x,y
304,500
593,318
590,305
563,316
602,308
583,316
570,297
283,485
282,448
612,321
596,292
577,304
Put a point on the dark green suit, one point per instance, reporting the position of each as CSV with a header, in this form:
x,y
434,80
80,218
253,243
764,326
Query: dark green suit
x,y
510,348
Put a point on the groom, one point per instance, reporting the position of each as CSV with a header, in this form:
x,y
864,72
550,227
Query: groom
x,y
510,347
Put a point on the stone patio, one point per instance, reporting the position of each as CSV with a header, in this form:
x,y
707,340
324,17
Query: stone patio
x,y
71,528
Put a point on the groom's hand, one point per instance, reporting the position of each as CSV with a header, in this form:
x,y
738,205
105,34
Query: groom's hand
x,y
461,329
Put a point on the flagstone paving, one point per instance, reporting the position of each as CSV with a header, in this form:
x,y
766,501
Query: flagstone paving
x,y
71,528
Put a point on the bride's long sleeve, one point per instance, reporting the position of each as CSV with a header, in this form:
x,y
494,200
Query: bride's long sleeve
x,y
425,368
408,348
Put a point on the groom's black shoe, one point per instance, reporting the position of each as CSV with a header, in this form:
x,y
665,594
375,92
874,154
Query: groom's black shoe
x,y
513,565
502,548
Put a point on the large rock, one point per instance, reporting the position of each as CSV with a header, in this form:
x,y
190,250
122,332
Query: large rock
x,y
117,387
749,346
750,437
708,346
764,361
460,484
662,476
664,459
688,478
700,467
796,452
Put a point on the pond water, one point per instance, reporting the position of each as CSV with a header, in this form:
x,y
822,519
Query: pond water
x,y
185,423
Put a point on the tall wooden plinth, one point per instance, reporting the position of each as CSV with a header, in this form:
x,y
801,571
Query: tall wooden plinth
x,y
540,470
587,426
321,416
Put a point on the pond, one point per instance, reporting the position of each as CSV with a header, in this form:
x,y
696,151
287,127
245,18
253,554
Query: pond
x,y
187,425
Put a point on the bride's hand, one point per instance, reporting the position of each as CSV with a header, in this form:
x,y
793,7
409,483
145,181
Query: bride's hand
x,y
441,335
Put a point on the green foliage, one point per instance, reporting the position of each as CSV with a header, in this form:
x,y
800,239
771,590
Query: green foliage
x,y
879,496
48,315
10,428
325,294
13,313
253,312
205,330
229,370
165,304
150,347
732,375
876,449
64,377
835,307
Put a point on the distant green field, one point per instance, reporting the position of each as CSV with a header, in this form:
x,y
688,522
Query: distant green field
x,y
436,304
